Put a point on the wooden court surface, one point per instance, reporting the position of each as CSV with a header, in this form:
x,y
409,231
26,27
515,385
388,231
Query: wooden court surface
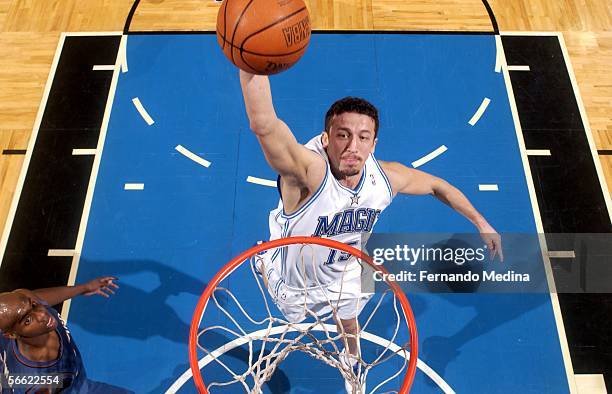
x,y
30,30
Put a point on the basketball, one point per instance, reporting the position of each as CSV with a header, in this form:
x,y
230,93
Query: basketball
x,y
263,36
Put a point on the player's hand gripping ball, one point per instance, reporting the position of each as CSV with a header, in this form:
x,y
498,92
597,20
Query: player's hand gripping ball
x,y
263,36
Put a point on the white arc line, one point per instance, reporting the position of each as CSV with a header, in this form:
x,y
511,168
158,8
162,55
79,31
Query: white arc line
x,y
498,56
133,186
488,188
187,153
561,254
429,157
427,370
480,111
60,253
538,152
519,68
261,181
142,111
123,54
83,152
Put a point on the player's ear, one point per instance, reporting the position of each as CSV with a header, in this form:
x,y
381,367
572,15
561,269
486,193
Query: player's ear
x,y
325,139
373,145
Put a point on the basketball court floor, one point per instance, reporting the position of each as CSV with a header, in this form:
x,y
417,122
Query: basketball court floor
x,y
146,134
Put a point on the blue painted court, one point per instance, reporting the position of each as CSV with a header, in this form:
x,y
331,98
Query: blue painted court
x,y
166,241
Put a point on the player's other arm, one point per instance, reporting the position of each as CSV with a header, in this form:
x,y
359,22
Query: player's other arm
x,y
54,295
284,154
407,180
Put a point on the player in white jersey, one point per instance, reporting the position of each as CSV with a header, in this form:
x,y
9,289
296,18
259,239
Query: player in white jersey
x,y
333,187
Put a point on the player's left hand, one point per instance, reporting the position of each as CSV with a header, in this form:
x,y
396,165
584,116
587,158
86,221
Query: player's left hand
x,y
493,241
103,286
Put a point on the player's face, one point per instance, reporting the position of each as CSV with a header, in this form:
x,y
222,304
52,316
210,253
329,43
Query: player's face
x,y
25,317
349,142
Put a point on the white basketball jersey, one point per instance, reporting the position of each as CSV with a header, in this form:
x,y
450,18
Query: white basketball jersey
x,y
333,211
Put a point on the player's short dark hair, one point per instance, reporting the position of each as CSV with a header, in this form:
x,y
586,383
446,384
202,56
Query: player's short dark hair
x,y
352,104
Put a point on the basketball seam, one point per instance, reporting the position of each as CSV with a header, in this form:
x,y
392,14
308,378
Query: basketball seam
x,y
224,22
264,54
236,26
247,63
266,28
284,18
232,47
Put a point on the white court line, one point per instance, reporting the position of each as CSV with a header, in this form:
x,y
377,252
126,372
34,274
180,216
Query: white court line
x,y
189,154
427,370
84,152
519,68
93,33
133,186
554,300
429,157
537,152
529,33
123,55
480,111
92,185
488,188
498,57
142,111
261,181
28,156
587,127
103,68
561,254
591,384
60,252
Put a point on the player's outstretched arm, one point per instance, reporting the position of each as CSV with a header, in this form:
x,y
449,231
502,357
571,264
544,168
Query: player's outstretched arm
x,y
284,154
103,286
407,180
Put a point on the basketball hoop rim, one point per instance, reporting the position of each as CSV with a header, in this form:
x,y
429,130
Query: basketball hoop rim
x,y
238,260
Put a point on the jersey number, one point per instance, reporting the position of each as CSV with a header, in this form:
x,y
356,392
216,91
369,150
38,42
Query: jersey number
x,y
344,256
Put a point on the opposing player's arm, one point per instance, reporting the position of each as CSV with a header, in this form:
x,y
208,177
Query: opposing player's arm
x,y
103,286
284,154
407,180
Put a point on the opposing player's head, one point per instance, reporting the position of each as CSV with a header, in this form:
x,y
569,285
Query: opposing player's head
x,y
351,131
22,316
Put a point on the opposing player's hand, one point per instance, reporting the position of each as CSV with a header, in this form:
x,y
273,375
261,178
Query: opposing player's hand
x,y
102,286
493,241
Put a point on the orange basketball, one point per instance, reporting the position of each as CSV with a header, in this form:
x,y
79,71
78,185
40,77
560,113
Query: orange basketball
x,y
263,36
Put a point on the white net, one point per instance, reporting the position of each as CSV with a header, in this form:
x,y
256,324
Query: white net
x,y
248,329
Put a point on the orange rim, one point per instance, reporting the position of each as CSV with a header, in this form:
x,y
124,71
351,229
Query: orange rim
x,y
238,260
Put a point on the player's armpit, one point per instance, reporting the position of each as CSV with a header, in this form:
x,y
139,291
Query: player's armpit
x,y
289,158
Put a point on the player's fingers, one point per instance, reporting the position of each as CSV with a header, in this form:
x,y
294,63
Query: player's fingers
x,y
107,279
103,294
491,247
501,252
108,289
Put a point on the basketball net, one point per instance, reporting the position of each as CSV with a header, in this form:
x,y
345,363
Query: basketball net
x,y
265,339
